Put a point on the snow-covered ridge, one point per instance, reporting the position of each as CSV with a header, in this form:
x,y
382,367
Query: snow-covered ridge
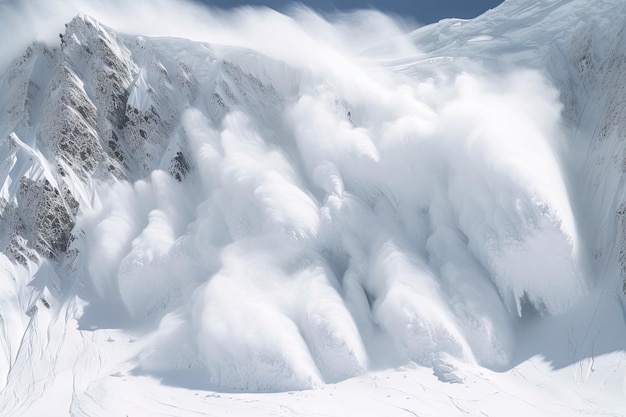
x,y
262,225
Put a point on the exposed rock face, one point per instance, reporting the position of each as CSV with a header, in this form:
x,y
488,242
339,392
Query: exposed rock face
x,y
94,101
69,104
100,107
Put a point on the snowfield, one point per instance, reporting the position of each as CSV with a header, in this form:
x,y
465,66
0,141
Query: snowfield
x,y
251,213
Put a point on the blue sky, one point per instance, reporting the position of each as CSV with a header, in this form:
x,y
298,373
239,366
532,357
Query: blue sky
x,y
424,11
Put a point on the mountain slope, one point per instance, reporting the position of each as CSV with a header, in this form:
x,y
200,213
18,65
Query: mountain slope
x,y
190,219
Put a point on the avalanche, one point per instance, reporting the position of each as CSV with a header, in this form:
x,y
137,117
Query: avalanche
x,y
258,202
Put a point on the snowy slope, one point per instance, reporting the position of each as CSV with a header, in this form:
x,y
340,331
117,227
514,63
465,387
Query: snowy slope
x,y
431,224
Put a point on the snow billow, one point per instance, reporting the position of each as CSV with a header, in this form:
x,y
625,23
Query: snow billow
x,y
338,216
381,219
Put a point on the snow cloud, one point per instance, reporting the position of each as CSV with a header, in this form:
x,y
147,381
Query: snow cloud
x,y
366,218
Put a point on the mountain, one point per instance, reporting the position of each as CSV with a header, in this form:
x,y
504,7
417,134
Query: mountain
x,y
431,224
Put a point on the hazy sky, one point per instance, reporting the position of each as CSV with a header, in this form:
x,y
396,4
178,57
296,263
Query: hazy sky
x,y
424,11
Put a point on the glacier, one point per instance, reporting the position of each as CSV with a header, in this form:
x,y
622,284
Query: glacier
x,y
259,213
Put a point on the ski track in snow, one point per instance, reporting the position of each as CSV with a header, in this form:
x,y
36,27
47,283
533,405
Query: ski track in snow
x,y
307,216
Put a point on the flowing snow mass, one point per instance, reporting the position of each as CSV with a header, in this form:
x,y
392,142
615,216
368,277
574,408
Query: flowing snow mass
x,y
253,213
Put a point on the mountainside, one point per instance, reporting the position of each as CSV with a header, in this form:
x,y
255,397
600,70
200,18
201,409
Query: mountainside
x,y
436,222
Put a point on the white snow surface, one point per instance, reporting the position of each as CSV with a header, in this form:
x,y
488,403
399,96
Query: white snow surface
x,y
302,215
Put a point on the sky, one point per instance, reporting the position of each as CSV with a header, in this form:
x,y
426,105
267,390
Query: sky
x,y
423,11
